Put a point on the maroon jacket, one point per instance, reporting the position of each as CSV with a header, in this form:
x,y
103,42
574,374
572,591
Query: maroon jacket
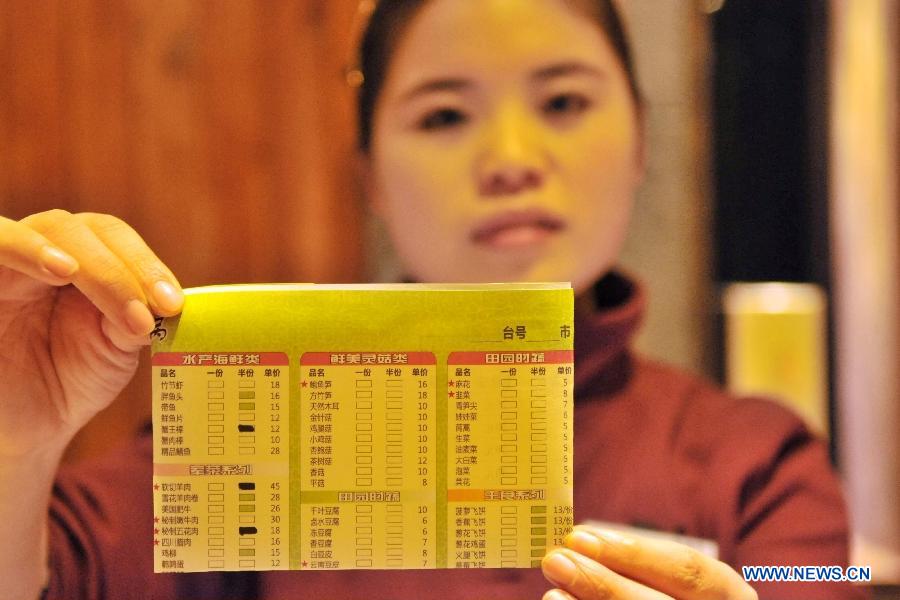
x,y
653,447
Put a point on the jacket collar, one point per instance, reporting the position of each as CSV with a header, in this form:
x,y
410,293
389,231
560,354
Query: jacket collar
x,y
604,328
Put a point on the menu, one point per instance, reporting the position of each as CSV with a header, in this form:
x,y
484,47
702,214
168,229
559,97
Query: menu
x,y
405,426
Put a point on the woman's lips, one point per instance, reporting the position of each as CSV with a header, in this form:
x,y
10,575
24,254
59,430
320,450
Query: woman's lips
x,y
514,230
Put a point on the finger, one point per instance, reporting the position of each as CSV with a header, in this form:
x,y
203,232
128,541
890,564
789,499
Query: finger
x,y
27,251
123,339
586,579
558,594
663,565
102,276
159,283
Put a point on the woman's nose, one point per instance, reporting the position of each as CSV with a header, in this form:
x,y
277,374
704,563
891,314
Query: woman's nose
x,y
509,179
512,161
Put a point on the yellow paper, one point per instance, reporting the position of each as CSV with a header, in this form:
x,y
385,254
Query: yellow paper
x,y
353,426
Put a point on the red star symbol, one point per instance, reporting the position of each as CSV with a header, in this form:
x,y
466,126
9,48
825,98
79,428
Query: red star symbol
x,y
155,486
450,395
304,563
304,383
156,519
156,532
156,542
450,383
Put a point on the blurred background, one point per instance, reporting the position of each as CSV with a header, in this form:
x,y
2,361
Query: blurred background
x,y
224,133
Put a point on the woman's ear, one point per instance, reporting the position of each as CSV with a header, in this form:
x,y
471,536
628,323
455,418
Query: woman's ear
x,y
365,174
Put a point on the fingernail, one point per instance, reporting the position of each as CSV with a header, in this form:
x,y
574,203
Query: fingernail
x,y
167,296
559,569
138,317
58,262
583,542
556,595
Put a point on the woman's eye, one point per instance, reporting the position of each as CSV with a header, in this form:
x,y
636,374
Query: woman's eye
x,y
566,104
443,118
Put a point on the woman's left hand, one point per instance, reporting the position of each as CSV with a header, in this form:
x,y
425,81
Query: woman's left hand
x,y
599,564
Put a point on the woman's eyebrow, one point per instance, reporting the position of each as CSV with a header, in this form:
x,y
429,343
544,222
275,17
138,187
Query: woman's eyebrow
x,y
568,68
451,84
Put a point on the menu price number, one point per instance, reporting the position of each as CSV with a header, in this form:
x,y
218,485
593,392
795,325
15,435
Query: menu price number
x,y
563,521
424,522
274,413
275,535
422,436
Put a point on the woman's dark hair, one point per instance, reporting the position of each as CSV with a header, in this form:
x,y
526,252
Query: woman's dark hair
x,y
389,21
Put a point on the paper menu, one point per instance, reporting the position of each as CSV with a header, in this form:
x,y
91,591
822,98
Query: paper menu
x,y
363,426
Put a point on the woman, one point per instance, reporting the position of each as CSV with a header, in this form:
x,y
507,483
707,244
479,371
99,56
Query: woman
x,y
502,141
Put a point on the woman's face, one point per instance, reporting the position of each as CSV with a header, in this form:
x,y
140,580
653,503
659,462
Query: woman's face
x,y
505,144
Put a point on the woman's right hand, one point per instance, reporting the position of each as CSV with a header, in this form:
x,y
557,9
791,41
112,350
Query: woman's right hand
x,y
76,295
